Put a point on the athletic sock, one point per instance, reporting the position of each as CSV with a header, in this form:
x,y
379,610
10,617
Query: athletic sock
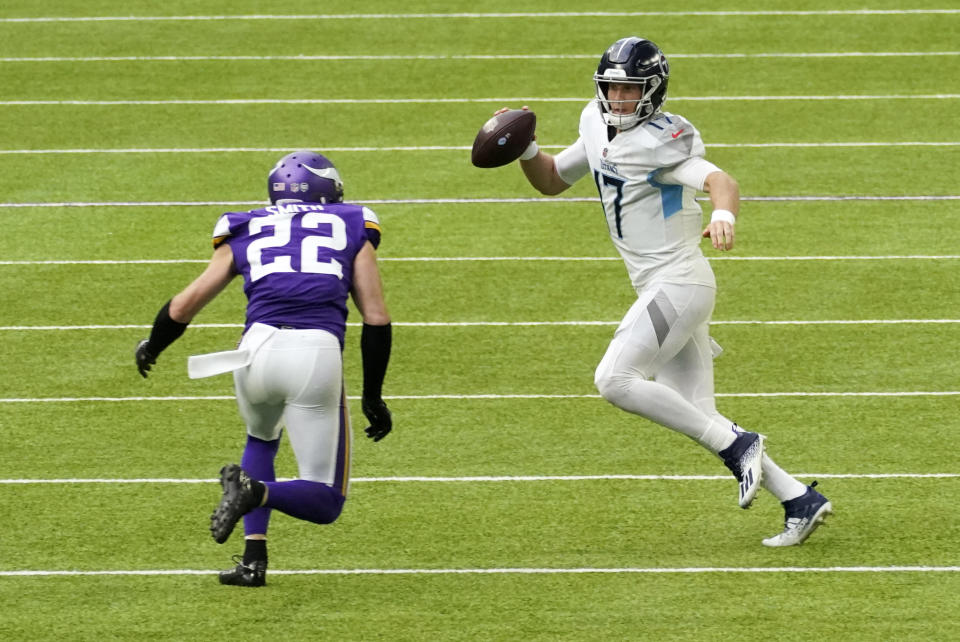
x,y
779,482
255,551
720,435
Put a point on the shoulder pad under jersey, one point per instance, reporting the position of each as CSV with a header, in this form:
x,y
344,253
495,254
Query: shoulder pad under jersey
x,y
371,224
226,225
678,139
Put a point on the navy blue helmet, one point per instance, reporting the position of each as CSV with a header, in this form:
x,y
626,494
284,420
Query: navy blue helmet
x,y
306,177
632,61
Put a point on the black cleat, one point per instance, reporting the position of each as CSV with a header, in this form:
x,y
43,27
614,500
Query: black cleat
x,y
240,496
252,574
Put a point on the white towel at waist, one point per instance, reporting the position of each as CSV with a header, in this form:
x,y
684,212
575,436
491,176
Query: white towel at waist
x,y
208,365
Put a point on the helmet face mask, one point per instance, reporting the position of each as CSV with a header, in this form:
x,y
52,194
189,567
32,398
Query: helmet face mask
x,y
632,61
305,176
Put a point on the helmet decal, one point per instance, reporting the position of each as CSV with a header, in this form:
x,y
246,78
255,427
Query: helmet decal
x,y
307,177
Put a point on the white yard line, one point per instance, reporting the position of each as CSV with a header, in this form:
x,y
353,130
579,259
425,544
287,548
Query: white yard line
x,y
482,397
497,324
489,478
481,259
460,57
468,201
435,100
506,571
484,15
445,148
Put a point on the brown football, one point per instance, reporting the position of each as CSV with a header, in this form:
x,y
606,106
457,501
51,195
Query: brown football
x,y
503,138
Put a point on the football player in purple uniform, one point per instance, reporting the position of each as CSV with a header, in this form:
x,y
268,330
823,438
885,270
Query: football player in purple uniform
x,y
300,258
648,166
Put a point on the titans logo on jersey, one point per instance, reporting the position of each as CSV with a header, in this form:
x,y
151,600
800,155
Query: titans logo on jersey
x,y
297,261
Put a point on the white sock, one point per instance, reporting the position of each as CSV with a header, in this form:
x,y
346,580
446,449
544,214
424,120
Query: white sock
x,y
779,482
719,436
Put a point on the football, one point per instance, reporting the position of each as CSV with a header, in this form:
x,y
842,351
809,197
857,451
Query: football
x,y
503,138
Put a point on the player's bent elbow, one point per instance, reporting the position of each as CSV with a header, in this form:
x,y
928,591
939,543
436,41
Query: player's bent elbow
x,y
182,308
721,183
377,317
373,310
551,186
732,184
552,189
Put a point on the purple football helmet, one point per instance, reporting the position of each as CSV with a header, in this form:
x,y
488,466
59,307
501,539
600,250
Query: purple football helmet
x,y
305,176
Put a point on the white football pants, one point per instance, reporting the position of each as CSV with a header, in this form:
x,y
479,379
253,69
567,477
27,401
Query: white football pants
x,y
660,363
660,366
297,376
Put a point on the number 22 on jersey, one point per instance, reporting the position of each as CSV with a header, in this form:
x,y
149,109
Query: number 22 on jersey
x,y
310,262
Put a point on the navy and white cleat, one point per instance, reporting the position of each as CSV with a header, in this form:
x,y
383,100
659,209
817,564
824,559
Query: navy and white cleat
x,y
803,515
744,458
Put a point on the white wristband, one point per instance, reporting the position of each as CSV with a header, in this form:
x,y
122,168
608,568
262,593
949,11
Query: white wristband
x,y
723,215
532,150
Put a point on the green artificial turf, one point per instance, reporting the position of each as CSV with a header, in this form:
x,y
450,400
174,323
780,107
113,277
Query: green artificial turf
x,y
510,502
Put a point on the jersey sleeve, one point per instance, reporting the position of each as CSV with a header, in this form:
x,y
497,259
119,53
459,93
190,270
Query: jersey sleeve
x,y
692,172
572,163
221,231
371,224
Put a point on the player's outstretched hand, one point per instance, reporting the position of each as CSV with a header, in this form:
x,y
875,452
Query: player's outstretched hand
x,y
144,358
377,413
720,234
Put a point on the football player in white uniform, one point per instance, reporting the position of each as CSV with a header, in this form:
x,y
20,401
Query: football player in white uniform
x,y
648,166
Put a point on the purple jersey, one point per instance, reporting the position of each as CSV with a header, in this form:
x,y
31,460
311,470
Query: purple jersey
x,y
297,261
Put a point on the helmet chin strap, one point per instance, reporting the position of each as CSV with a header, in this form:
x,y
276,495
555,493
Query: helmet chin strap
x,y
621,121
628,120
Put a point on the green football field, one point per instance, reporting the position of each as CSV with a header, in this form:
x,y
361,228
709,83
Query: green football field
x,y
511,502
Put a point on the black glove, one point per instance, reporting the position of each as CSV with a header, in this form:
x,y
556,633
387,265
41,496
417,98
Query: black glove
x,y
145,358
379,417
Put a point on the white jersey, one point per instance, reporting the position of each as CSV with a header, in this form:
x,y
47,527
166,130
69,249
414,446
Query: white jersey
x,y
647,177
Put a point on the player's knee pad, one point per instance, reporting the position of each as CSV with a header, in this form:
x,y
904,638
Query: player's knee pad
x,y
332,506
